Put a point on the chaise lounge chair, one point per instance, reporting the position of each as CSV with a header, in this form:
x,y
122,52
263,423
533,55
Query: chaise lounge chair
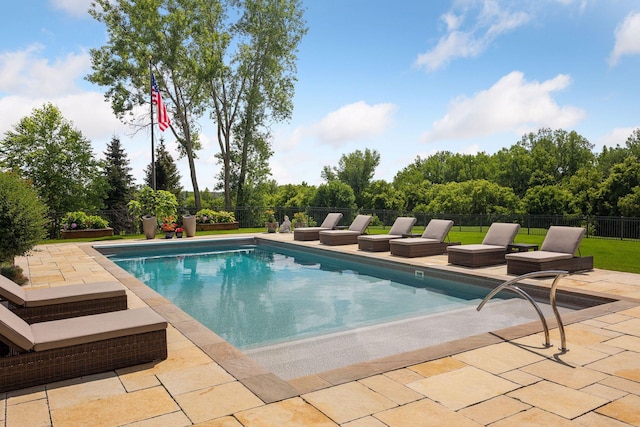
x,y
430,243
556,253
63,301
346,237
312,233
380,242
492,250
53,351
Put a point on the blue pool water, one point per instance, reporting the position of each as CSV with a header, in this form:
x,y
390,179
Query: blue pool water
x,y
254,296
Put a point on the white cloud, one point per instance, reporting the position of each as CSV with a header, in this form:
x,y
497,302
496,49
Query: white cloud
x,y
627,38
353,122
25,73
491,21
510,105
72,7
617,136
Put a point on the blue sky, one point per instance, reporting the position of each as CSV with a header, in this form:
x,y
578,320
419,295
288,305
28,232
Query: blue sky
x,y
406,78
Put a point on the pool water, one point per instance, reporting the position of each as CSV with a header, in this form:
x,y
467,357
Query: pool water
x,y
256,296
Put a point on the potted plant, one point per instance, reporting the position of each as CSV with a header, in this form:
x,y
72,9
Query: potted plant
x,y
168,226
270,222
179,231
299,220
77,225
149,205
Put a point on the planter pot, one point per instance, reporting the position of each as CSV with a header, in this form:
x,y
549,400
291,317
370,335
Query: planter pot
x,y
87,233
299,225
168,234
189,225
149,226
178,235
218,226
271,226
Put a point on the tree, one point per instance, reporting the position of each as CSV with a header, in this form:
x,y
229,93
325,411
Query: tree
x,y
46,149
119,183
335,194
164,30
624,177
167,175
381,195
356,170
22,217
250,74
472,197
548,200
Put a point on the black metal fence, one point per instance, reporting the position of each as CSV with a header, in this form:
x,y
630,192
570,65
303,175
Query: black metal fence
x,y
253,217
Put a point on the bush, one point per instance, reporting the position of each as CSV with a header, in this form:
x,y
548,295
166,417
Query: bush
x,y
209,216
22,217
80,221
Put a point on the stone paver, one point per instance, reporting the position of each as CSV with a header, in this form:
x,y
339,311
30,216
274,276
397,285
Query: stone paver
x,y
206,382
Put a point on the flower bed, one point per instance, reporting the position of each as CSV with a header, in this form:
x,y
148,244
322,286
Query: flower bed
x,y
218,226
87,233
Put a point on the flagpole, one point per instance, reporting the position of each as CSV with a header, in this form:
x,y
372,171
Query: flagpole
x,y
153,154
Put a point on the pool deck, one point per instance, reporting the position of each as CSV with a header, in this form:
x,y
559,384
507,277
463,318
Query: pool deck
x,y
501,379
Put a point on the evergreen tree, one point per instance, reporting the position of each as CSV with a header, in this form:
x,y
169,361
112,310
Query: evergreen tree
x,y
119,185
167,175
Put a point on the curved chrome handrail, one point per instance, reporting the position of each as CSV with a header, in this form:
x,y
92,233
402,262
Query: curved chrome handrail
x,y
510,285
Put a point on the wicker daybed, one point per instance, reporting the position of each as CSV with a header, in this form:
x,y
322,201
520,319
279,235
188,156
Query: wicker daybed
x,y
491,251
346,237
313,233
431,242
61,302
53,351
380,242
556,253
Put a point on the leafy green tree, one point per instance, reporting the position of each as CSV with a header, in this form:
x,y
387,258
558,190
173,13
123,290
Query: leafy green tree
x,y
249,68
583,186
164,30
167,175
46,149
622,180
609,157
335,194
356,170
548,200
629,205
291,195
22,217
472,197
382,195
633,143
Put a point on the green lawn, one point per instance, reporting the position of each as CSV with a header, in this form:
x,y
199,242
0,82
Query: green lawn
x,y
618,255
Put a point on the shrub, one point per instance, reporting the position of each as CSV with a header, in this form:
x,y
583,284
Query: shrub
x,y
79,220
22,217
209,216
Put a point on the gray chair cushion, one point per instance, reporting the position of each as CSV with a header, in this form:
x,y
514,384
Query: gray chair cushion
x,y
16,330
563,239
11,291
331,220
360,223
477,248
73,293
437,229
501,234
538,256
402,225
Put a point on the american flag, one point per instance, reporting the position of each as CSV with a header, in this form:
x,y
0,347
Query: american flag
x,y
163,118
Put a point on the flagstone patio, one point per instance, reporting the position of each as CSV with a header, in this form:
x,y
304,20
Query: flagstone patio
x,y
502,379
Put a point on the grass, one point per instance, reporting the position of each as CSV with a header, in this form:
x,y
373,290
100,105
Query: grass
x,y
608,254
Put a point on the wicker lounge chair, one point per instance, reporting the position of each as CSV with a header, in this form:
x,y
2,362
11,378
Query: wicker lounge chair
x,y
63,301
430,243
491,251
53,351
346,237
380,242
556,253
312,233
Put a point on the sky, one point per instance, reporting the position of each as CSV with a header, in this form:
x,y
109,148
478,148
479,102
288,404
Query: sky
x,y
407,78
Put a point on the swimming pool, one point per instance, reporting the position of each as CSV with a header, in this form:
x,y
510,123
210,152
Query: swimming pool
x,y
294,312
